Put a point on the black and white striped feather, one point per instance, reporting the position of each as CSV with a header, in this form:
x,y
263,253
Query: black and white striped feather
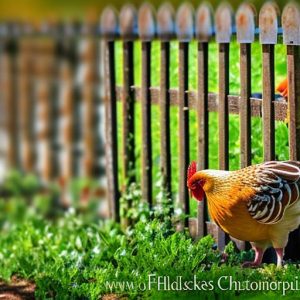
x,y
277,189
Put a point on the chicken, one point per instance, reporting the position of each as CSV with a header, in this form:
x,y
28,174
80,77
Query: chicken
x,y
282,88
259,204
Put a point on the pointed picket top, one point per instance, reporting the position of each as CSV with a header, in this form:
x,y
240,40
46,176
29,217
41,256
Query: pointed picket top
x,y
128,22
165,21
146,22
185,22
245,23
224,23
204,22
269,23
291,24
109,23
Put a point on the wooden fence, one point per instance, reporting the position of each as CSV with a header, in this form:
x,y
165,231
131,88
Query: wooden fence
x,y
204,26
50,98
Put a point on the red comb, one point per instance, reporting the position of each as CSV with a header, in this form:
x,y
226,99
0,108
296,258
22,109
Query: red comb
x,y
192,169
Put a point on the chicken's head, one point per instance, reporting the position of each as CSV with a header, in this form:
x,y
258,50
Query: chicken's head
x,y
194,183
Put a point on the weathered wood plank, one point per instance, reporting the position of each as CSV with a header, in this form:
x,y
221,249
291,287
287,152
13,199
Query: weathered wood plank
x,y
291,24
146,31
268,23
26,104
268,110
293,63
165,22
203,132
128,24
166,30
224,23
184,21
204,22
245,106
113,194
223,106
245,23
9,73
291,37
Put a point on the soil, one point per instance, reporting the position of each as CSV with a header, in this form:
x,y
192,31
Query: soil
x,y
17,289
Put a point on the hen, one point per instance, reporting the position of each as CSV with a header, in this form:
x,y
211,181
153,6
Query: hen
x,y
259,204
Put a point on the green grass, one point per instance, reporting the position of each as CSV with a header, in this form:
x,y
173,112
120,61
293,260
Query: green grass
x,y
70,255
234,142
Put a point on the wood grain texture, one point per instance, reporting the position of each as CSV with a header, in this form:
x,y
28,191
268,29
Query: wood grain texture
x,y
183,127
146,124
111,133
203,133
165,138
223,106
245,104
128,98
293,63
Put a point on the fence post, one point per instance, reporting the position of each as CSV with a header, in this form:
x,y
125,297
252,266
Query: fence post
x,y
245,24
224,24
291,38
166,31
185,32
109,29
146,26
268,24
204,28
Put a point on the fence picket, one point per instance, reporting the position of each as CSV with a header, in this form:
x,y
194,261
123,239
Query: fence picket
x,y
109,28
268,24
146,32
8,61
291,37
204,28
245,24
184,21
128,23
166,30
51,50
25,99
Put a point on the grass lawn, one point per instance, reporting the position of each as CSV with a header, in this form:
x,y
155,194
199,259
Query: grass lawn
x,y
234,142
73,254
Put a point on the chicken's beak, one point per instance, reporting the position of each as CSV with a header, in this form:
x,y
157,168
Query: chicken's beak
x,y
191,194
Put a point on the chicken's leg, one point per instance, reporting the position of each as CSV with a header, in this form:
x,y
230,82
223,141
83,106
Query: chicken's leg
x,y
259,252
279,253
